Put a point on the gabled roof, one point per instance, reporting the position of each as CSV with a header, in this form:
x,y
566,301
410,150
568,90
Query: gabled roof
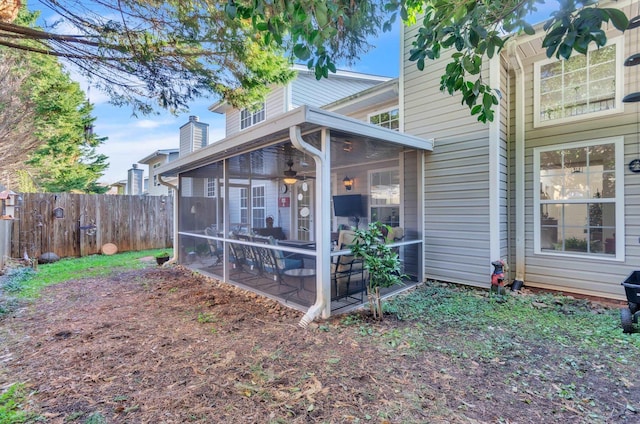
x,y
381,93
276,130
157,153
302,70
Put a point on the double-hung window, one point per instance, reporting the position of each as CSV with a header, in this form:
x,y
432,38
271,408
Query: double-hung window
x,y
250,117
581,87
258,214
578,195
387,119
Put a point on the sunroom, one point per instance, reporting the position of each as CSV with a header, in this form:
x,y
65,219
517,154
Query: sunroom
x,y
272,209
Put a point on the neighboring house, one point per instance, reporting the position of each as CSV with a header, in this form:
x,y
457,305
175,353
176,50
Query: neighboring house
x,y
546,185
153,161
119,187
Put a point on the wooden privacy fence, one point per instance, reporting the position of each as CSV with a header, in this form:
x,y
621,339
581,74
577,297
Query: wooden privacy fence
x,y
80,224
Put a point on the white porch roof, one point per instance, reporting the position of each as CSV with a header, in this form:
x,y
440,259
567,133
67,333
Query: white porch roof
x,y
277,130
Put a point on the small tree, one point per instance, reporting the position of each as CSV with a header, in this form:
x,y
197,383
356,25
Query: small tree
x,y
380,260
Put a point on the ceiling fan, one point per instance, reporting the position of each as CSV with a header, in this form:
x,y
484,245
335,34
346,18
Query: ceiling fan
x,y
291,176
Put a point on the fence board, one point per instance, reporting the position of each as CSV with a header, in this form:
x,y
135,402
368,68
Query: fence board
x,y
90,221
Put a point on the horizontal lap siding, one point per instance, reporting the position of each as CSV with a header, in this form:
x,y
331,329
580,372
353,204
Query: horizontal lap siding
x,y
306,90
456,184
584,275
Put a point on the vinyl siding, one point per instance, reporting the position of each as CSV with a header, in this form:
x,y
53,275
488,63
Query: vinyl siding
x,y
306,90
275,104
588,275
456,185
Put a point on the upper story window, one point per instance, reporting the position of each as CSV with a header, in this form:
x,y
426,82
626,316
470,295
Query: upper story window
x,y
590,84
250,117
387,119
578,199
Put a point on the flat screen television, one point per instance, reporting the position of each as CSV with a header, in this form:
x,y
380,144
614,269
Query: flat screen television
x,y
349,205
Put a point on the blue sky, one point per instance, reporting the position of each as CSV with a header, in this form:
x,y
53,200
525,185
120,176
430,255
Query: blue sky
x,y
133,138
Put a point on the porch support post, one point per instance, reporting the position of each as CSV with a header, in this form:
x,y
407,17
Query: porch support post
x,y
176,208
322,306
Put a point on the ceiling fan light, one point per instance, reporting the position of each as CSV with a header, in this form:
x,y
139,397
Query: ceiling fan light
x,y
290,180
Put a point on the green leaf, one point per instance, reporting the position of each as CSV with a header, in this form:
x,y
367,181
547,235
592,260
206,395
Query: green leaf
x,y
301,51
528,29
618,18
420,64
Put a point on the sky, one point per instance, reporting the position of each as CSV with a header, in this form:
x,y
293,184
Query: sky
x,y
130,138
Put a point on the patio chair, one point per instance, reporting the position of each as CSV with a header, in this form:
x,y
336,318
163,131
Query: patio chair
x,y
348,275
215,248
273,261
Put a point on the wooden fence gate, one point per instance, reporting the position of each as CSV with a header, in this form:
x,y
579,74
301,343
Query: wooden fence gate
x,y
70,224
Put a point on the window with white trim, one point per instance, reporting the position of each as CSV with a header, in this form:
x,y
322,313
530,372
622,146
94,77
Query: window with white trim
x,y
258,212
244,201
590,84
211,187
384,194
579,199
387,119
250,117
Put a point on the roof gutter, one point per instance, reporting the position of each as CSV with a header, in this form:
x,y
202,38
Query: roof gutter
x,y
322,306
176,200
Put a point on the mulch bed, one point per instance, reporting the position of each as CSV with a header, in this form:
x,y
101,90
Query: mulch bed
x,y
164,345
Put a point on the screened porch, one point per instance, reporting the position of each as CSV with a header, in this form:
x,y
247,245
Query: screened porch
x,y
274,211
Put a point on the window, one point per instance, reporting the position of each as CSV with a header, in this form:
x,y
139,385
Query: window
x,y
244,201
579,199
211,187
155,177
250,117
258,214
583,85
387,119
384,190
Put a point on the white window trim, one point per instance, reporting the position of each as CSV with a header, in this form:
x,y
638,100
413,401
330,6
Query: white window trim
x,y
619,200
255,208
618,108
264,104
380,112
370,202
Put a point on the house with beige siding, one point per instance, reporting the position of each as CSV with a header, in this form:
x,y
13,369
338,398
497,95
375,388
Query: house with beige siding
x,y
547,185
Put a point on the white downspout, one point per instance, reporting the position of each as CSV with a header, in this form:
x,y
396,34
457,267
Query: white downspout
x,y
519,161
176,198
322,306
494,167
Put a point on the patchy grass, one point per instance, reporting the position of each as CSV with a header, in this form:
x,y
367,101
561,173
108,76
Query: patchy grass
x,y
11,406
30,283
483,329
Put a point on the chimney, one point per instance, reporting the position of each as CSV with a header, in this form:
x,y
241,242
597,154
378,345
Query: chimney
x,y
134,180
194,135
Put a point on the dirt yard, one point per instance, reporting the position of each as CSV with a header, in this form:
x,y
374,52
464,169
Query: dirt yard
x,y
162,345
